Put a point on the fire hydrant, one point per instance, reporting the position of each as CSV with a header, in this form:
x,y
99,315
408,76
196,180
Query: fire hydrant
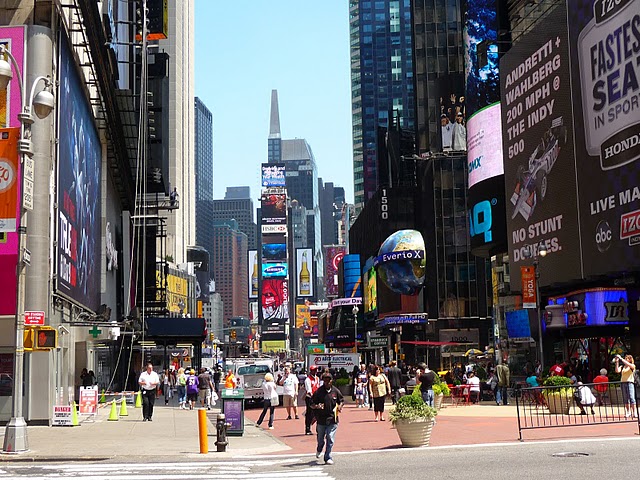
x,y
221,433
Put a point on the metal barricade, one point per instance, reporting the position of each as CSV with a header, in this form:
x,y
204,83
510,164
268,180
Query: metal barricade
x,y
569,406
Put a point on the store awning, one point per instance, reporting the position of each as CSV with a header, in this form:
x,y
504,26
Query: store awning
x,y
429,343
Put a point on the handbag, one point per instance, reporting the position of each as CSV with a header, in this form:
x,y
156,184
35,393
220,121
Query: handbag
x,y
275,401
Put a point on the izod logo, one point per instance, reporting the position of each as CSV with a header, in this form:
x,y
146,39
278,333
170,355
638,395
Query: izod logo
x,y
7,175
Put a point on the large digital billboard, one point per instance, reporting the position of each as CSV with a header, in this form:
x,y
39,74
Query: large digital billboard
x,y
333,256
274,299
487,222
274,208
539,162
370,291
254,274
453,132
604,39
9,179
352,275
274,252
304,273
13,39
484,140
273,175
79,240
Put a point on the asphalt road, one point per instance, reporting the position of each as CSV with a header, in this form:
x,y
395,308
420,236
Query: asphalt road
x,y
576,459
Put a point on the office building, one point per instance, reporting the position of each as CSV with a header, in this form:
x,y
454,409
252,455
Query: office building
x,y
382,82
238,208
204,174
332,201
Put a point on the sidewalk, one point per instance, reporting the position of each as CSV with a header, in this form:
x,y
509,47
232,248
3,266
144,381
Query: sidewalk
x,y
174,434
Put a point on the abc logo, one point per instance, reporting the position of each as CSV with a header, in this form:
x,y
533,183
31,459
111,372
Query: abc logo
x,y
603,236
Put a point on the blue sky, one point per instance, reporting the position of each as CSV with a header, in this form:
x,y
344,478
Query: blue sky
x,y
246,48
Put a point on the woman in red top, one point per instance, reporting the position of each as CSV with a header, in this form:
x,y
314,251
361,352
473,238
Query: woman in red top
x,y
602,384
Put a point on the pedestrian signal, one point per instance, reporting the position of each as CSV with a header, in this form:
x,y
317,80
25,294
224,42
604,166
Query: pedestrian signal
x,y
45,338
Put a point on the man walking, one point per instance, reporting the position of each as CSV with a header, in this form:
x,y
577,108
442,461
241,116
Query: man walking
x,y
426,379
327,403
395,380
311,384
204,388
148,382
290,384
504,379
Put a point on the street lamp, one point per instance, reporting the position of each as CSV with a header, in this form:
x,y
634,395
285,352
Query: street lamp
x,y
542,252
355,311
42,103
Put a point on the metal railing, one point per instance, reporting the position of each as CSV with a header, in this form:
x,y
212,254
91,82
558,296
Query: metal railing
x,y
570,406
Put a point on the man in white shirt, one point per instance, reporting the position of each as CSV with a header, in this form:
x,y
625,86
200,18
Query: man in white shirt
x,y
148,382
289,384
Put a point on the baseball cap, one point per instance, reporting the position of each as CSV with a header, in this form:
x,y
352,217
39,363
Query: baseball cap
x,y
313,367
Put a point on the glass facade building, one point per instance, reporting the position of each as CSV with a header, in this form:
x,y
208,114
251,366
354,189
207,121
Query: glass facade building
x,y
382,82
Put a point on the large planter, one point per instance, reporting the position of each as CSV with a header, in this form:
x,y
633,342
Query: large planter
x,y
615,394
437,401
559,403
414,433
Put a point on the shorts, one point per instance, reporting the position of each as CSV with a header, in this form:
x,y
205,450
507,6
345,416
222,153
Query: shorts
x,y
203,393
288,400
192,397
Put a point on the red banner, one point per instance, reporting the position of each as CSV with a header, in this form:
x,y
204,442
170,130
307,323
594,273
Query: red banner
x,y
528,276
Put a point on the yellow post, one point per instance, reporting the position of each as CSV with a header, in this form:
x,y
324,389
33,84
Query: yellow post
x,y
123,407
139,399
202,430
113,415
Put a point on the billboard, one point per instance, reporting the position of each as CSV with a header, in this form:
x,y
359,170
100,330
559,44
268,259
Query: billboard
x,y
484,154
453,132
352,275
333,256
273,346
273,175
9,179
277,269
304,272
518,325
604,40
274,208
274,252
303,319
539,162
487,222
254,274
274,300
370,291
13,39
79,239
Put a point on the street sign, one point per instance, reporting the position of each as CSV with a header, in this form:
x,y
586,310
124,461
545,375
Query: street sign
x,y
378,341
62,416
27,196
89,400
34,318
26,256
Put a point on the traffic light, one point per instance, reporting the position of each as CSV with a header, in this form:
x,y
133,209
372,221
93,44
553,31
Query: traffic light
x,y
45,338
28,339
212,336
233,335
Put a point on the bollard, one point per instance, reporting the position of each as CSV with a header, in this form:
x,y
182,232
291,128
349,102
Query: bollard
x,y
221,433
202,430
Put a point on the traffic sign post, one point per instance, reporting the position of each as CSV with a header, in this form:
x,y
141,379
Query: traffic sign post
x,y
34,318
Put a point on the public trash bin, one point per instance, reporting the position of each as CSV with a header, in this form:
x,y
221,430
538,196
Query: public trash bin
x,y
233,409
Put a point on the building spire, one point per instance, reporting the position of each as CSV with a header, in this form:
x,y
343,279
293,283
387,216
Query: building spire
x,y
274,123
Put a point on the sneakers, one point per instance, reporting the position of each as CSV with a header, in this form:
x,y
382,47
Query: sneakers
x,y
289,417
308,433
318,454
297,417
329,462
270,428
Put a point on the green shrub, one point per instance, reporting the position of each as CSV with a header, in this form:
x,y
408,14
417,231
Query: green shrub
x,y
441,387
558,381
341,382
411,407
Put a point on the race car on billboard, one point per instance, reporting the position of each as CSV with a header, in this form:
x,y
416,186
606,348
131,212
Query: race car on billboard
x,y
531,184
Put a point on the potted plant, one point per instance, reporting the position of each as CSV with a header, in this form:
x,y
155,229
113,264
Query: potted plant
x,y
440,390
413,419
343,385
560,395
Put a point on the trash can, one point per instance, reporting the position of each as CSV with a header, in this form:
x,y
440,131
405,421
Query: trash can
x,y
233,409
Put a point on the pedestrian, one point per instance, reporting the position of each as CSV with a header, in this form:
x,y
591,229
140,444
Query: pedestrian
x,y
204,388
230,380
379,389
601,385
87,378
182,389
363,378
148,382
290,384
474,390
504,380
626,371
311,384
192,389
426,379
395,380
216,379
327,403
165,381
271,400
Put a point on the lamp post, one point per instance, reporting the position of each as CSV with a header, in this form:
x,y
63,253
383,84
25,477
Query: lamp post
x,y
542,252
42,103
355,311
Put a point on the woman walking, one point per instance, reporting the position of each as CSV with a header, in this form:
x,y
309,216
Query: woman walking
x,y
270,400
182,389
626,371
379,388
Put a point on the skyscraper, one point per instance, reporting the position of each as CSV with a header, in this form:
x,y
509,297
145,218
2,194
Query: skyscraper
x,y
204,174
238,208
181,225
332,200
229,261
382,82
